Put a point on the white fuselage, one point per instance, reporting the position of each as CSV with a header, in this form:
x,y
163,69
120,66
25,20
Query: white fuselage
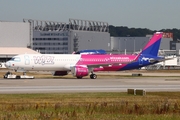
x,y
40,62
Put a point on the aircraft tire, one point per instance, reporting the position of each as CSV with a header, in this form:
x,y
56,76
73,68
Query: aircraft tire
x,y
18,77
79,77
93,76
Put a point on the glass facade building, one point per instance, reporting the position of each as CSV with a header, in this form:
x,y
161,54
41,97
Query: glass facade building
x,y
50,42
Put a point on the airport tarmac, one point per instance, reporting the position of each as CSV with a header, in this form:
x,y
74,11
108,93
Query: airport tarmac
x,y
149,84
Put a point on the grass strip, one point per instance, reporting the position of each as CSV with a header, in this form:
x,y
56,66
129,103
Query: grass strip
x,y
80,106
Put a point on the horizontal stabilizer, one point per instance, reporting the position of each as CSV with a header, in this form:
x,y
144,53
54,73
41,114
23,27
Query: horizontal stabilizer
x,y
160,59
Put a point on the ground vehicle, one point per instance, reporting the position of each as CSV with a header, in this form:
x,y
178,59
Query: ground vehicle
x,y
9,75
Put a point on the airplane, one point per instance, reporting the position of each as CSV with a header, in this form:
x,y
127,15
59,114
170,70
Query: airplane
x,y
81,65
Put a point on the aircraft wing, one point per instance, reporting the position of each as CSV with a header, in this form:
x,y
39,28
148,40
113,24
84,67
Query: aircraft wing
x,y
160,59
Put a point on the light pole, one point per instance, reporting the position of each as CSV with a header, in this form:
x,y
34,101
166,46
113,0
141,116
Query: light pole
x,y
125,46
89,44
134,45
119,45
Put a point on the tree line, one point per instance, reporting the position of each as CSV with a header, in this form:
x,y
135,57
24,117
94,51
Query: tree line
x,y
123,31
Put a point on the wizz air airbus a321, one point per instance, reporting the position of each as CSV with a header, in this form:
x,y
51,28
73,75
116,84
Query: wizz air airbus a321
x,y
81,65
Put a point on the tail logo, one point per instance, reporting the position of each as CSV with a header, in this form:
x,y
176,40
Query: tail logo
x,y
145,59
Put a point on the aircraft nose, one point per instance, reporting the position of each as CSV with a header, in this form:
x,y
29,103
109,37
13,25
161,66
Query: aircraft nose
x,y
7,64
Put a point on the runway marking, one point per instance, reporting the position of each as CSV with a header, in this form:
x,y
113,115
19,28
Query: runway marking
x,y
172,79
119,88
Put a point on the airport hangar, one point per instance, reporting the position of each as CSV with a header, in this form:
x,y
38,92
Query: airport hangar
x,y
49,37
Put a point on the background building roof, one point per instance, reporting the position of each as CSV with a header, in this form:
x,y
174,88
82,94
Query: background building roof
x,y
12,51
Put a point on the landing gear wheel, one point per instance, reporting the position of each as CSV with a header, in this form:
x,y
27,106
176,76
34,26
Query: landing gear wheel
x,y
93,76
79,77
18,77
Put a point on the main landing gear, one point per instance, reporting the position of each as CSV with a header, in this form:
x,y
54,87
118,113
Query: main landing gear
x,y
93,76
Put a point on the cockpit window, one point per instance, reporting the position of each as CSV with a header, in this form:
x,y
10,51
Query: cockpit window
x,y
17,59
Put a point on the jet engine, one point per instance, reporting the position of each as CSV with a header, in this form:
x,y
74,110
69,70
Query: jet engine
x,y
80,71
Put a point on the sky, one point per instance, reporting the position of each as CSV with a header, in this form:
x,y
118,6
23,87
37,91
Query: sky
x,y
151,14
